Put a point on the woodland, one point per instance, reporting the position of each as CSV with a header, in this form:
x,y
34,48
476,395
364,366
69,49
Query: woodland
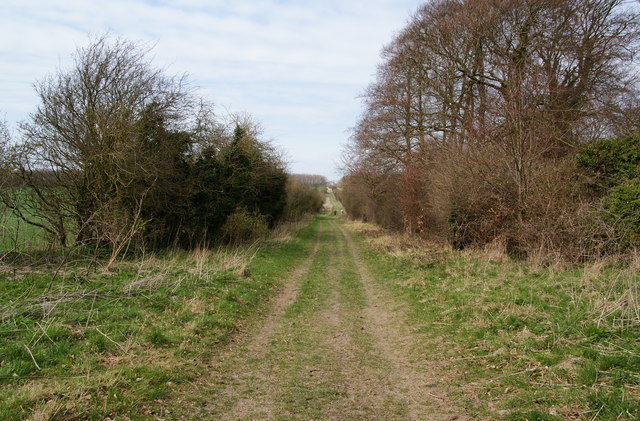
x,y
517,130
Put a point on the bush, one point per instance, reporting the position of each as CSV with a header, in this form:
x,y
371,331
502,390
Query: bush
x,y
372,198
611,161
614,168
302,199
243,226
623,206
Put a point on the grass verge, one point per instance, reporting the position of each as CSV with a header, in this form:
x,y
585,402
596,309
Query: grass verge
x,y
520,342
85,344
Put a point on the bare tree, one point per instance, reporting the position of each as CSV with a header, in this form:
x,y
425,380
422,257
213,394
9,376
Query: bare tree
x,y
492,94
92,147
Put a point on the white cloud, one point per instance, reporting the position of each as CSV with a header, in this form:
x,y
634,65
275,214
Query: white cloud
x,y
296,65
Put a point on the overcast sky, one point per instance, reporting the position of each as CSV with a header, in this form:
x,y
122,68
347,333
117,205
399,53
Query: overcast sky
x,y
297,66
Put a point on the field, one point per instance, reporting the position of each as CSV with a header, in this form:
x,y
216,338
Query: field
x,y
17,235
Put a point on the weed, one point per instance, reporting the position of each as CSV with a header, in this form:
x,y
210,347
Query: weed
x,y
533,416
588,375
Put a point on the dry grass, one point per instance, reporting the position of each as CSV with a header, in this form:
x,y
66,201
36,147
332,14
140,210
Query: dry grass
x,y
496,250
235,261
286,231
71,395
534,338
94,344
202,262
611,292
414,248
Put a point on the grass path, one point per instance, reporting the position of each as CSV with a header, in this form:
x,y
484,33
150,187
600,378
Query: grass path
x,y
335,345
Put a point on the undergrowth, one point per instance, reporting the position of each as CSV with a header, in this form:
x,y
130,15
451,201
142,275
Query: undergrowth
x,y
77,342
527,342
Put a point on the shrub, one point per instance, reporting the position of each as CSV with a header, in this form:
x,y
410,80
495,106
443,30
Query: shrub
x,y
611,161
623,206
373,198
302,199
614,168
243,226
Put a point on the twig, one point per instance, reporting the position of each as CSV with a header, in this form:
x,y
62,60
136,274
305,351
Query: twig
x,y
67,297
32,357
119,346
595,417
508,375
2,332
624,349
90,311
44,333
40,377
471,357
436,396
58,269
556,385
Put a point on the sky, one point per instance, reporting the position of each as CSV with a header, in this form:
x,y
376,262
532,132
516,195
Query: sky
x,y
297,66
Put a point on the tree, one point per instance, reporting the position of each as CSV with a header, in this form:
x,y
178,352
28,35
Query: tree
x,y
477,101
311,180
254,176
117,152
101,134
303,196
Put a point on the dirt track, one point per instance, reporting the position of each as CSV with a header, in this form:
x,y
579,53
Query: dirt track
x,y
335,345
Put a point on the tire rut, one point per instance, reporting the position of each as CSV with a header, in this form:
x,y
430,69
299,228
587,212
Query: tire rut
x,y
413,377
225,387
367,380
334,345
259,343
256,347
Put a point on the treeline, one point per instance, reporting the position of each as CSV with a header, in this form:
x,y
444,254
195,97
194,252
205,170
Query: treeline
x,y
305,195
117,154
311,179
475,128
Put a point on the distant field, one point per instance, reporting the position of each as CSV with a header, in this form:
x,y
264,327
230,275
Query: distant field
x,y
15,234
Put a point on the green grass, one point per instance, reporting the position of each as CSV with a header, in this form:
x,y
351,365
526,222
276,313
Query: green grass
x,y
18,235
91,345
15,234
528,343
519,342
